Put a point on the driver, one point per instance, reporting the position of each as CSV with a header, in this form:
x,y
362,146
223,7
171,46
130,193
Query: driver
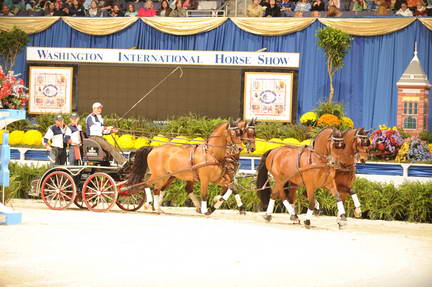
x,y
95,130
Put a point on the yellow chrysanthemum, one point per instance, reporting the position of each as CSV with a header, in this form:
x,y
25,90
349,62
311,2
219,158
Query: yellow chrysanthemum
x,y
159,140
306,142
140,142
347,122
260,146
383,127
16,137
401,156
292,141
274,143
110,140
309,118
430,147
197,140
32,137
179,140
328,120
126,141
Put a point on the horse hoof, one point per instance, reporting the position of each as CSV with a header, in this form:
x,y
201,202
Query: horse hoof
x,y
342,220
242,210
317,212
267,217
210,210
147,206
198,210
307,223
294,218
358,212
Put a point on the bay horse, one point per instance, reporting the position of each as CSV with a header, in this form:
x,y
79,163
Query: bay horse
x,y
302,166
356,149
186,162
248,133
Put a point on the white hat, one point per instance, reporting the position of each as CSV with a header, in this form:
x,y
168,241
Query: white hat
x,y
97,105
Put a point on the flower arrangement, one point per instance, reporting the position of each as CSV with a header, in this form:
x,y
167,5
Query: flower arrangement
x,y
328,120
309,119
386,143
347,123
12,92
412,151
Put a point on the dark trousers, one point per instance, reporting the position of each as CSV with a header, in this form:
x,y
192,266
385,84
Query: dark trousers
x,y
58,156
118,157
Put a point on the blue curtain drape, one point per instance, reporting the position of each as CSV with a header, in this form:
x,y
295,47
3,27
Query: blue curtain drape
x,y
366,85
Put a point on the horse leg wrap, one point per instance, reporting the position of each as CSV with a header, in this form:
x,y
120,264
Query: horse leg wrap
x,y
194,199
203,207
355,200
238,200
341,208
317,205
309,214
227,194
270,207
149,197
161,196
219,203
289,207
156,202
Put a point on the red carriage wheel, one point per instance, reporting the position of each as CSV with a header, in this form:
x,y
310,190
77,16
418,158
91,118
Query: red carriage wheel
x,y
58,190
127,201
99,192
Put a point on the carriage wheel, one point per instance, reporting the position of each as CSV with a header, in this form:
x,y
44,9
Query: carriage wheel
x,y
58,190
99,192
131,202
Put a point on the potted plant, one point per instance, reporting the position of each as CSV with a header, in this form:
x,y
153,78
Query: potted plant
x,y
11,44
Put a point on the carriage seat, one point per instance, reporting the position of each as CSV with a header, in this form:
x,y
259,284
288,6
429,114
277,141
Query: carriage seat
x,y
93,152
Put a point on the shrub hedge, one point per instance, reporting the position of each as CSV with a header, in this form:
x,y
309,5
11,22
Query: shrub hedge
x,y
411,201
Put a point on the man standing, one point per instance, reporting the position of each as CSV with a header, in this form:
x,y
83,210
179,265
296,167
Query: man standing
x,y
73,137
95,130
57,148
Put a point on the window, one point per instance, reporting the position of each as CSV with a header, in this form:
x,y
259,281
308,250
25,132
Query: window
x,y
410,108
410,123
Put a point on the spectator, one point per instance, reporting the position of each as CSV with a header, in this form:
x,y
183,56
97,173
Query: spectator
x,y
429,7
106,6
93,10
298,14
165,9
77,9
335,3
344,5
404,11
131,12
66,10
316,13
333,11
115,11
148,10
5,11
318,5
421,9
255,9
272,10
286,6
86,4
172,4
412,5
49,8
382,8
179,11
358,6
303,5
189,4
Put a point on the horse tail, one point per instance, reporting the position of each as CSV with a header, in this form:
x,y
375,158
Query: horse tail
x,y
140,165
264,190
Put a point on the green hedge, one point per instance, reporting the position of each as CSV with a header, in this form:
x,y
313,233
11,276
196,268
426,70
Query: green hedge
x,y
411,201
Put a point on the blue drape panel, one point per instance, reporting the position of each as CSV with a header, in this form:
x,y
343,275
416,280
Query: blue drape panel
x,y
366,85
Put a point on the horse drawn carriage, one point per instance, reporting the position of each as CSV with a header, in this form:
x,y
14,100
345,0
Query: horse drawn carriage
x,y
95,185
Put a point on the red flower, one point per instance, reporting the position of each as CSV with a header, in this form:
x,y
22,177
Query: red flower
x,y
381,147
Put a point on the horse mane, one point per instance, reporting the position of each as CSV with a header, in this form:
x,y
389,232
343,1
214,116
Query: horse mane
x,y
318,134
216,130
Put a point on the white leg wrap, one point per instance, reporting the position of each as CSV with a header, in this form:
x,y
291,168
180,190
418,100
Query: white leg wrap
x,y
238,200
161,196
149,197
270,207
218,203
317,205
341,208
227,194
356,200
203,207
309,214
156,202
289,207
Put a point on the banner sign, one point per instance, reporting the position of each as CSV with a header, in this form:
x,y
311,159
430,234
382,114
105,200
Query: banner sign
x,y
163,57
268,96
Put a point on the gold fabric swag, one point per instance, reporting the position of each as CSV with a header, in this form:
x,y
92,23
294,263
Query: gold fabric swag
x,y
196,25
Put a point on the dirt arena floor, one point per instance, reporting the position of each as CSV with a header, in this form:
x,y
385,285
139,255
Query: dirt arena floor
x,y
180,248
